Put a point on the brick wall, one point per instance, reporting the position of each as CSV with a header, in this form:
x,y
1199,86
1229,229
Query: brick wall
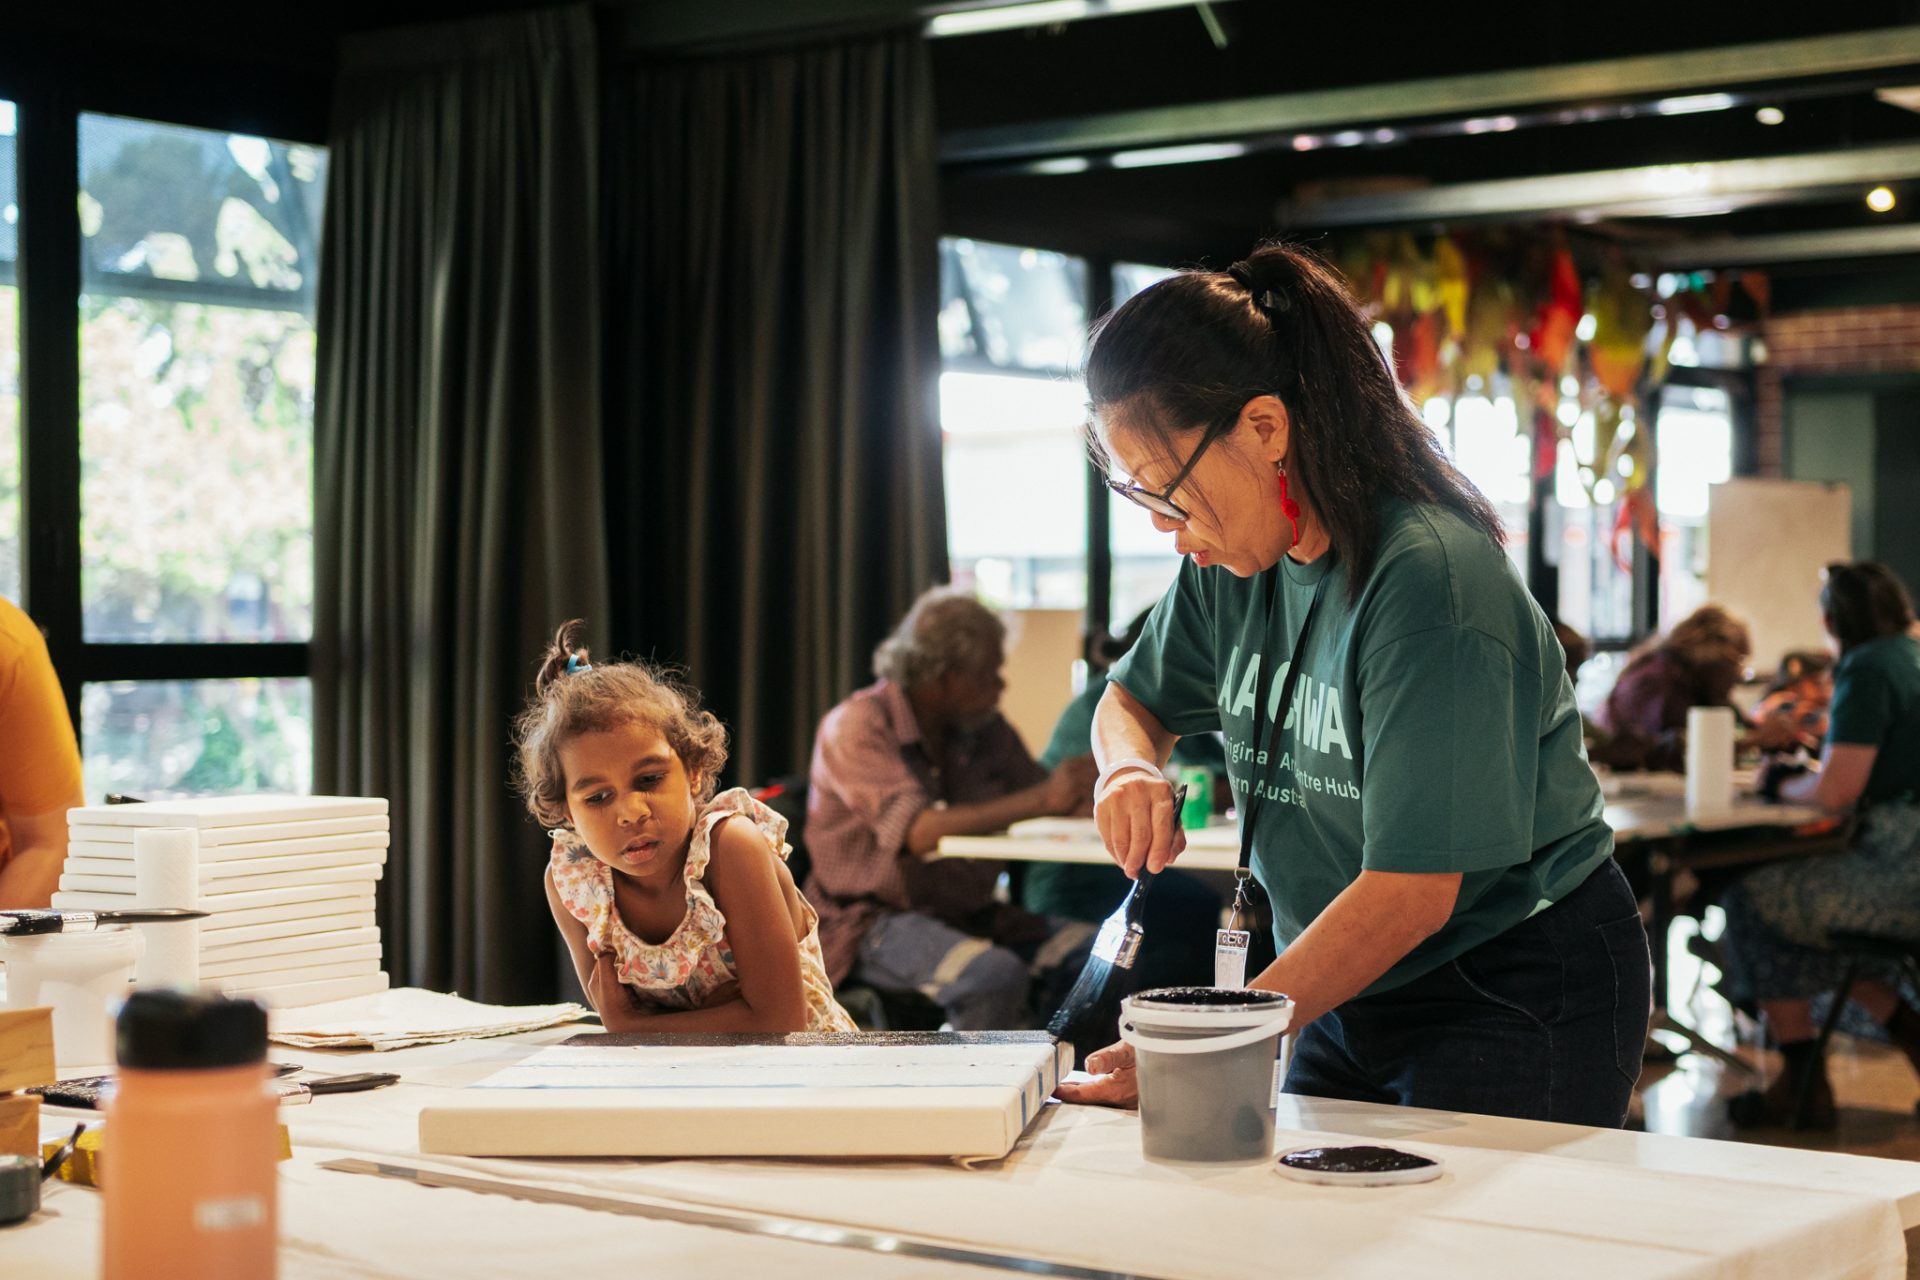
x,y
1883,339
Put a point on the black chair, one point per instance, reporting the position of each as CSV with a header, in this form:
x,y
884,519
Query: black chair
x,y
873,1009
1862,950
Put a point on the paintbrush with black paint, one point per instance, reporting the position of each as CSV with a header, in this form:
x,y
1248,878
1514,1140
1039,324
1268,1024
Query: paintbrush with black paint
x,y
1115,948
26,923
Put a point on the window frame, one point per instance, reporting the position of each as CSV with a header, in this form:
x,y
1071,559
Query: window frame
x,y
1542,573
51,279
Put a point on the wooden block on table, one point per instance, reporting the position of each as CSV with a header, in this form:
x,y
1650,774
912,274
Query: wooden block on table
x,y
26,1048
19,1125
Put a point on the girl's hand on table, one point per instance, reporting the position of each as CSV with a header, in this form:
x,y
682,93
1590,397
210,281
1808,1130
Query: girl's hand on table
x,y
1137,822
605,989
1113,1083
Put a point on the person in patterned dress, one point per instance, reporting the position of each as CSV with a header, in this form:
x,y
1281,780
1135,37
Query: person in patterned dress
x,y
675,902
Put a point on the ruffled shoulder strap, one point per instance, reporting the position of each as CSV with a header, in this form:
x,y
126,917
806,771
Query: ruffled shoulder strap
x,y
731,803
584,882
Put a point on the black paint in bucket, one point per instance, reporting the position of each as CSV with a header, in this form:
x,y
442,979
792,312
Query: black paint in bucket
x,y
1209,998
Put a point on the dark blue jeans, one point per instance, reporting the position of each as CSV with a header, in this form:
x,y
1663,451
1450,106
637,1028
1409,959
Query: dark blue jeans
x,y
1547,1021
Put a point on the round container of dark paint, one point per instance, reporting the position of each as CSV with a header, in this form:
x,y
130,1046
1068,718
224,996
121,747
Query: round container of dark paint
x,y
1203,1057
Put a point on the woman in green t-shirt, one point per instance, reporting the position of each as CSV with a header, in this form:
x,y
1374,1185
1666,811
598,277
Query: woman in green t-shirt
x,y
1779,917
1401,736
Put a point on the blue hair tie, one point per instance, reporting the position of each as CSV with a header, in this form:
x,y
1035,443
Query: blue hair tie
x,y
575,666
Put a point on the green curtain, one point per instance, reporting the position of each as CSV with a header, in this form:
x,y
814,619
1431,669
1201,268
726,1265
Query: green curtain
x,y
773,481
458,487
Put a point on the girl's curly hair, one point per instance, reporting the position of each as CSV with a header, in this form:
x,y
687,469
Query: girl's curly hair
x,y
573,696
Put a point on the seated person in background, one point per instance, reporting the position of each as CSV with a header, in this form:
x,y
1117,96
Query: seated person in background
x,y
1800,692
1779,916
920,754
39,765
675,903
1182,913
1697,664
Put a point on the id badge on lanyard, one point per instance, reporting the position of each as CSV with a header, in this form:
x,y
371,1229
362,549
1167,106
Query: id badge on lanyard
x,y
1230,945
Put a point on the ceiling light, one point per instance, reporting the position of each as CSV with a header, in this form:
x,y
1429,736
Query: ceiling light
x,y
1770,115
1880,199
1693,102
1906,97
1042,13
1191,154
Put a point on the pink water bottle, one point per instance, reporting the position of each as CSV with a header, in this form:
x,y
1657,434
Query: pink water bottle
x,y
189,1160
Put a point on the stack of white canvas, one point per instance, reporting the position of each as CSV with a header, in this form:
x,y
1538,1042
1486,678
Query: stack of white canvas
x,y
288,880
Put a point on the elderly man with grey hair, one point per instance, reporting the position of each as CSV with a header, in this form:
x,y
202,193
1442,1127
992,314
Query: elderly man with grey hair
x,y
920,754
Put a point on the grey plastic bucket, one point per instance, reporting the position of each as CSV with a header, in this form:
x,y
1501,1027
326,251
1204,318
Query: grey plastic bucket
x,y
1203,1057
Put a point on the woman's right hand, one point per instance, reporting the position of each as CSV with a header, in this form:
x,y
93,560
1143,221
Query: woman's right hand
x,y
1113,1083
1137,822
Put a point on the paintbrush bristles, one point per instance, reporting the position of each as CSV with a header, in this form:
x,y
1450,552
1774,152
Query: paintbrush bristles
x,y
1086,995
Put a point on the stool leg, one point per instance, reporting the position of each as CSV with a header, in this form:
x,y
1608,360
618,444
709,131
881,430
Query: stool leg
x,y
1820,1045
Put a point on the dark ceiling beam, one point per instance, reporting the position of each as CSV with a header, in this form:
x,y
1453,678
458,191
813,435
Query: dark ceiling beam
x,y
1651,77
1663,190
1788,246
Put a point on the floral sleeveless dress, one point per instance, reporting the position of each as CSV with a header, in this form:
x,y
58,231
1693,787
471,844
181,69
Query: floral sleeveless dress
x,y
684,971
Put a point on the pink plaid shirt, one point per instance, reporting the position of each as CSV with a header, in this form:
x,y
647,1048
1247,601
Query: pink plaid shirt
x,y
870,779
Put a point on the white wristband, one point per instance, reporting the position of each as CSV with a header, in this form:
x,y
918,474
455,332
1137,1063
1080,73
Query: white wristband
x,y
1118,767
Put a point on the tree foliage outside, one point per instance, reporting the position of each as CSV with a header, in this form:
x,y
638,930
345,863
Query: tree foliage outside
x,y
155,738
196,472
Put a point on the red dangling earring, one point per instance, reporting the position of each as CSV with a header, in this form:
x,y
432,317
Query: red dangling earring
x,y
1288,507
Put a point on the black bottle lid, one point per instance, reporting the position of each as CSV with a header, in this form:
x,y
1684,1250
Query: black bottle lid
x,y
163,1030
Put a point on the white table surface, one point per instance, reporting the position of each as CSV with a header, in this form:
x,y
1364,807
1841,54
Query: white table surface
x,y
1654,813
1518,1198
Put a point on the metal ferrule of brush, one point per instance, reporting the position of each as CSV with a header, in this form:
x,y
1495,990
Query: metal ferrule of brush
x,y
29,922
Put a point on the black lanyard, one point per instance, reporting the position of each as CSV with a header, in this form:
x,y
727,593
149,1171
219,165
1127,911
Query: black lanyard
x,y
1251,809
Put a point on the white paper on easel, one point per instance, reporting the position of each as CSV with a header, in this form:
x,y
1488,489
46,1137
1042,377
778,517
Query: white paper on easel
x,y
875,1094
1710,748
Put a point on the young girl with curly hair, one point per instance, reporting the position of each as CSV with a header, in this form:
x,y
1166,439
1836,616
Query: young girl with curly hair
x,y
675,902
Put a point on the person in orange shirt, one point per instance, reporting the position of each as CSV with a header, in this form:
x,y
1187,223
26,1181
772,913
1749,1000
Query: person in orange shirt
x,y
39,765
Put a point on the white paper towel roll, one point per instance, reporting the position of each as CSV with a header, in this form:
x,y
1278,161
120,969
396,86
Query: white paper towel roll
x,y
166,873
1709,760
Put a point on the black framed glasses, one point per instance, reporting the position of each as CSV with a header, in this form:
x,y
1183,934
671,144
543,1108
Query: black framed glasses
x,y
1162,503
